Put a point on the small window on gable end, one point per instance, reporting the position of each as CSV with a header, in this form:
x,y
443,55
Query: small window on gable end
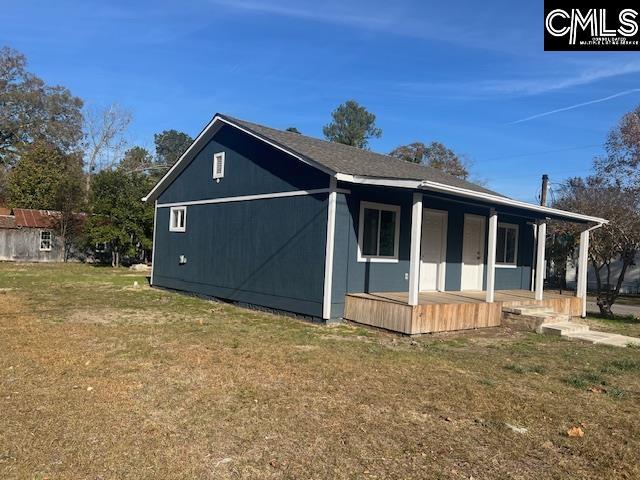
x,y
45,241
178,219
218,166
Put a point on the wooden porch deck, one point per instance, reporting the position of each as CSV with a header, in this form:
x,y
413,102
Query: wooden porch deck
x,y
446,311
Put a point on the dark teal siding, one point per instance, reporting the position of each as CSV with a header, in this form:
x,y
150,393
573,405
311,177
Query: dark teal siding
x,y
265,252
251,167
519,277
343,249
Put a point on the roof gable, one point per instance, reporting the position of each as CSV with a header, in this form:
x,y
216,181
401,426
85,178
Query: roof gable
x,y
349,160
329,157
358,166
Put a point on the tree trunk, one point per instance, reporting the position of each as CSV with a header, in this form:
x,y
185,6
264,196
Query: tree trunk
x,y
601,300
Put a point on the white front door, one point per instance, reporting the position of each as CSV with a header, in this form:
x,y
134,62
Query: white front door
x,y
473,252
433,250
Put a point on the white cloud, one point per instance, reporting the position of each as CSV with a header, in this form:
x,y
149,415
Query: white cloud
x,y
586,74
536,86
577,105
322,13
425,21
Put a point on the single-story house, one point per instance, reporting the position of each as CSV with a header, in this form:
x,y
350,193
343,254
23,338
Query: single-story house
x,y
30,235
287,222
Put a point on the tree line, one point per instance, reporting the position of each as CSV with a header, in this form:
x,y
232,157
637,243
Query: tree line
x,y
56,153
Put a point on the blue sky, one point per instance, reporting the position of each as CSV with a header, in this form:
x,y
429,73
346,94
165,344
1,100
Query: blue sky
x,y
473,76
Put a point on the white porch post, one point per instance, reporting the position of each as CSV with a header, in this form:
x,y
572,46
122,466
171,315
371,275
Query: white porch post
x,y
583,266
414,255
491,255
542,237
328,257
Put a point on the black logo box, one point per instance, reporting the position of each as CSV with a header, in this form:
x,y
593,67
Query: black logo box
x,y
584,41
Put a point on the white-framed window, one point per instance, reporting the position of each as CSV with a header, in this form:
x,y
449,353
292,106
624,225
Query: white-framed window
x,y
45,241
178,219
378,232
218,165
507,245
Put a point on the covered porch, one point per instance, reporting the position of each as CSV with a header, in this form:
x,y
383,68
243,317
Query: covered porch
x,y
447,311
489,242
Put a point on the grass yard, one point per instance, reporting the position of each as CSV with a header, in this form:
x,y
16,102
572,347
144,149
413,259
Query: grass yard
x,y
103,380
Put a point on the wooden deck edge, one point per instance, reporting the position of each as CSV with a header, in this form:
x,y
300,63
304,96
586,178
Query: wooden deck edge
x,y
442,317
379,313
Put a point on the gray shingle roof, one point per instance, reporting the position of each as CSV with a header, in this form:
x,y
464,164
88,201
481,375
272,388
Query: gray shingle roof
x,y
349,160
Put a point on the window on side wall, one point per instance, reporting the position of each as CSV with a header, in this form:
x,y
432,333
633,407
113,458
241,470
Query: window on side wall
x,y
218,166
507,245
45,241
178,219
379,232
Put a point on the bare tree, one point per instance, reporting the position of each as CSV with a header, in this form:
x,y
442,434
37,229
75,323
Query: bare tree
x,y
105,133
617,241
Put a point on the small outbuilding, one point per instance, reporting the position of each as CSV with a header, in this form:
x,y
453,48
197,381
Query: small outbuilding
x,y
287,222
30,235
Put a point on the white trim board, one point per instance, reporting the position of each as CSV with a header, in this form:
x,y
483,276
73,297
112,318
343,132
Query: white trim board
x,y
153,240
329,249
245,198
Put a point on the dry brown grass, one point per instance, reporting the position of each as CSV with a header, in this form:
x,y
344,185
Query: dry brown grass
x,y
102,380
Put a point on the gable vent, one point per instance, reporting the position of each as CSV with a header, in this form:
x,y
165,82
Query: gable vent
x,y
218,166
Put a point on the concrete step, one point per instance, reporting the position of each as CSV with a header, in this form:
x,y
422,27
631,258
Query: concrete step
x,y
604,338
563,328
527,309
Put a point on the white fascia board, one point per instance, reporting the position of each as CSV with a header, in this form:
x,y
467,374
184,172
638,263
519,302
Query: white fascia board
x,y
168,175
487,197
246,198
386,182
152,195
463,192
